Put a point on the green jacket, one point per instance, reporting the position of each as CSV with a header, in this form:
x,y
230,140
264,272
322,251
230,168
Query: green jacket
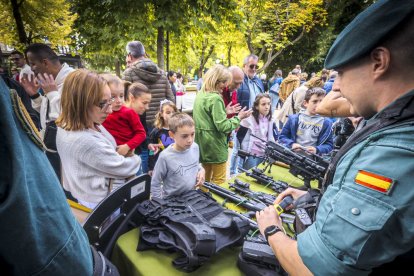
x,y
212,127
365,217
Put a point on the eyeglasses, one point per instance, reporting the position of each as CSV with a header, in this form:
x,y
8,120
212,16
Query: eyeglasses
x,y
105,105
16,58
254,66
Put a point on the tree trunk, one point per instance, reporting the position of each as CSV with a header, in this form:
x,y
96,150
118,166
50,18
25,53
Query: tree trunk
x,y
204,59
229,56
160,47
168,50
19,22
117,67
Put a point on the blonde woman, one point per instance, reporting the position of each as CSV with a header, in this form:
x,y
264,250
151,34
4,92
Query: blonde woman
x,y
212,125
294,102
87,149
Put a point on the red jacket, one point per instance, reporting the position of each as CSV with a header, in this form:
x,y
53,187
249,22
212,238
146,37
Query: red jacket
x,y
229,96
125,126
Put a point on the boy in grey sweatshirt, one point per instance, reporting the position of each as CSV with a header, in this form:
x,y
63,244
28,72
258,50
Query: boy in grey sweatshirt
x,y
178,169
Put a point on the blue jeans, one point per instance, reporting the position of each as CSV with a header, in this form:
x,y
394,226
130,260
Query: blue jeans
x,y
251,162
144,162
275,100
235,160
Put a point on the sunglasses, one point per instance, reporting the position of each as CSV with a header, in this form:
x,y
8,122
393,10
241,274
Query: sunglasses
x,y
254,66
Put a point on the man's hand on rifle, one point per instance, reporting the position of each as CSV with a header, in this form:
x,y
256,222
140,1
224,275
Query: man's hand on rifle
x,y
295,193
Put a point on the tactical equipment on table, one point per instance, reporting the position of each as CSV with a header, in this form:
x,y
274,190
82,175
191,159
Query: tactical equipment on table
x,y
243,188
300,165
263,179
193,224
250,204
258,259
281,207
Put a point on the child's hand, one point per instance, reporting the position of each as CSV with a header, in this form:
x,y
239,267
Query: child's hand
x,y
245,113
201,176
296,146
311,149
150,173
123,149
154,147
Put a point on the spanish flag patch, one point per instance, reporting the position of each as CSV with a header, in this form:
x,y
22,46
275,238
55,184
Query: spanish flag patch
x,y
374,181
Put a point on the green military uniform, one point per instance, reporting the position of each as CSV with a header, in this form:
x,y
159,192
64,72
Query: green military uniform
x,y
39,235
365,216
371,191
212,127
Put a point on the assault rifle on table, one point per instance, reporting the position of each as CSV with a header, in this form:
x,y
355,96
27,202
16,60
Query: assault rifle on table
x,y
300,165
243,188
261,178
249,203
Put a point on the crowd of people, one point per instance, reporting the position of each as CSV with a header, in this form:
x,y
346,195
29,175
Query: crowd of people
x,y
100,130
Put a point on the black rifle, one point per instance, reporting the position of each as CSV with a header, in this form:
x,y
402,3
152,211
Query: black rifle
x,y
261,178
248,203
267,181
300,165
243,188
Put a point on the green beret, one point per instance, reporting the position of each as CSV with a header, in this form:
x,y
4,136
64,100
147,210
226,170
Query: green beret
x,y
368,29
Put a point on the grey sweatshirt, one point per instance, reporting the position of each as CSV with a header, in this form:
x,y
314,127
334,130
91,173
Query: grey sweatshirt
x,y
308,130
175,171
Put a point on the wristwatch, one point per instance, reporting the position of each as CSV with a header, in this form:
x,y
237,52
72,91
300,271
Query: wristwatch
x,y
271,230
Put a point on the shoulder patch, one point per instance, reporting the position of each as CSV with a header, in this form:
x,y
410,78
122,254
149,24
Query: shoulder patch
x,y
25,120
374,181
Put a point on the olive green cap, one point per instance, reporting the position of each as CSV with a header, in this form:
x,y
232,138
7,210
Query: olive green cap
x,y
367,30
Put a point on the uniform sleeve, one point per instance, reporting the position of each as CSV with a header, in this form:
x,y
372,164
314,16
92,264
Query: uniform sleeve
x,y
218,112
160,172
359,227
139,131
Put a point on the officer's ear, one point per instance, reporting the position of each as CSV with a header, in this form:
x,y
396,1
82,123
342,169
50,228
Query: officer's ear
x,y
380,59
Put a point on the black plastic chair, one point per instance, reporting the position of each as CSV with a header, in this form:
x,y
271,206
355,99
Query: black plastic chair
x,y
117,214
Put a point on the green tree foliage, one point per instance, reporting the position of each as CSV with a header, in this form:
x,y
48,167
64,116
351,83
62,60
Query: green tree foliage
x,y
274,26
28,21
314,46
106,26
